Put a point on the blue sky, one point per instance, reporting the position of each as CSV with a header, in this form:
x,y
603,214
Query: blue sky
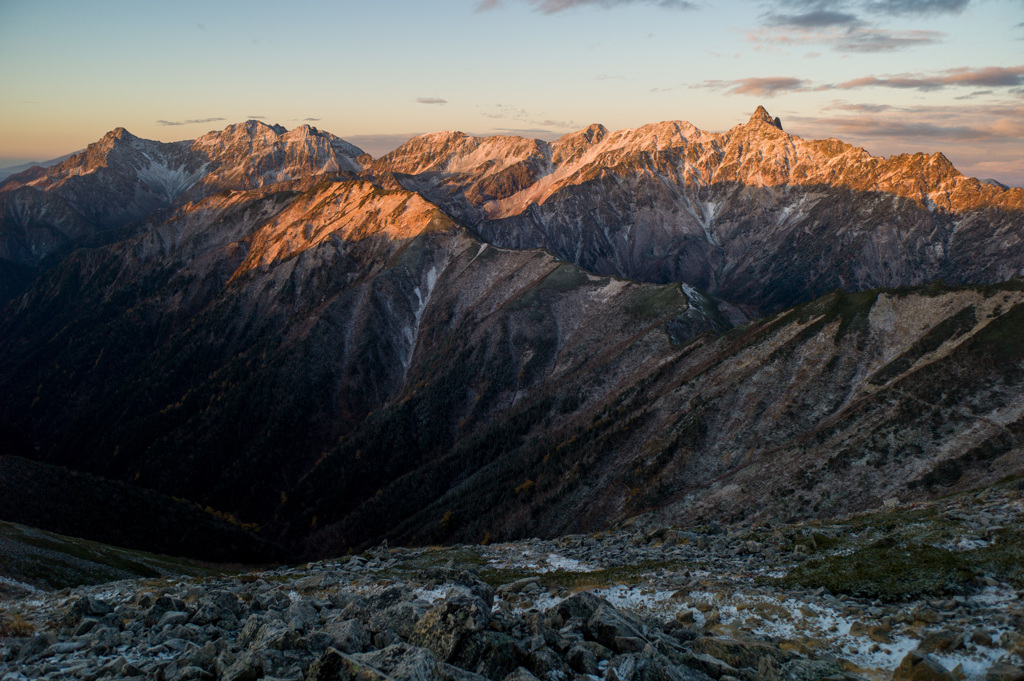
x,y
890,75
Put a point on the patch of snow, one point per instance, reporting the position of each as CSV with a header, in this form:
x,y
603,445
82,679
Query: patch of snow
x,y
166,181
10,581
557,562
431,595
964,544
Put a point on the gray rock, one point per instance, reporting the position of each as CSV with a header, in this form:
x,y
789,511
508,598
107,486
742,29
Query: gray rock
x,y
521,674
400,618
582,660
917,666
349,636
1002,671
443,629
617,631
86,625
450,672
491,654
581,605
172,618
248,667
403,662
275,635
335,665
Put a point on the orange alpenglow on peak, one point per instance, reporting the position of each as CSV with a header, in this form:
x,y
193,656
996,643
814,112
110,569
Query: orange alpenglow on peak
x,y
761,114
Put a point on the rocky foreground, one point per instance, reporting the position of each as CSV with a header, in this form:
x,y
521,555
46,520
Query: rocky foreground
x,y
636,604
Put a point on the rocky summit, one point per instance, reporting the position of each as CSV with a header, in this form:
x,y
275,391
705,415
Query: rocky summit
x,y
639,603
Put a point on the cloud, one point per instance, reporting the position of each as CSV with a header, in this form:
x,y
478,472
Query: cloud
x,y
817,18
981,141
310,120
848,25
884,40
1001,122
191,121
989,77
535,121
917,7
431,100
201,27
861,108
976,93
255,117
759,87
852,38
555,6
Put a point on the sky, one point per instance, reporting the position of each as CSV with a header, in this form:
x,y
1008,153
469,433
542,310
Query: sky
x,y
892,76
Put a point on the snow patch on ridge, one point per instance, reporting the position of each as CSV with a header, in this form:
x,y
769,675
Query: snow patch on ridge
x,y
166,181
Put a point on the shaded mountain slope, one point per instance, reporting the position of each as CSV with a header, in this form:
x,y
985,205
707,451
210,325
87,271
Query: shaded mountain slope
x,y
218,356
827,409
124,515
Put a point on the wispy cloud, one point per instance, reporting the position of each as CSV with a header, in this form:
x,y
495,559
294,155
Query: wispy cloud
x,y
976,93
517,114
848,25
917,7
760,87
431,100
555,6
310,120
191,121
815,18
989,77
853,37
884,40
982,141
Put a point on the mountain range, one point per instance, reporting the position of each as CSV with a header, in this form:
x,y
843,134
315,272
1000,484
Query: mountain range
x,y
484,338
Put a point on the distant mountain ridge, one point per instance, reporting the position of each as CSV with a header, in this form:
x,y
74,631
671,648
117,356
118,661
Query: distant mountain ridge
x,y
744,215
502,337
123,178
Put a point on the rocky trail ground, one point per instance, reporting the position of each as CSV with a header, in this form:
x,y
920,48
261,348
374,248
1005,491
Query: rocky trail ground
x,y
922,592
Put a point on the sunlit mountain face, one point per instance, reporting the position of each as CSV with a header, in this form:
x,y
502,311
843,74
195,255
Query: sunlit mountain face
x,y
521,337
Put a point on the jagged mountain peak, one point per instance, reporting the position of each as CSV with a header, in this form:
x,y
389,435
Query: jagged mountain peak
x,y
761,115
593,133
119,133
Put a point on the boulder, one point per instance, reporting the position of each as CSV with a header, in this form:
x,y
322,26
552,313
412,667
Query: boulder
x,y
617,631
349,636
402,662
1002,671
921,667
581,605
444,628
